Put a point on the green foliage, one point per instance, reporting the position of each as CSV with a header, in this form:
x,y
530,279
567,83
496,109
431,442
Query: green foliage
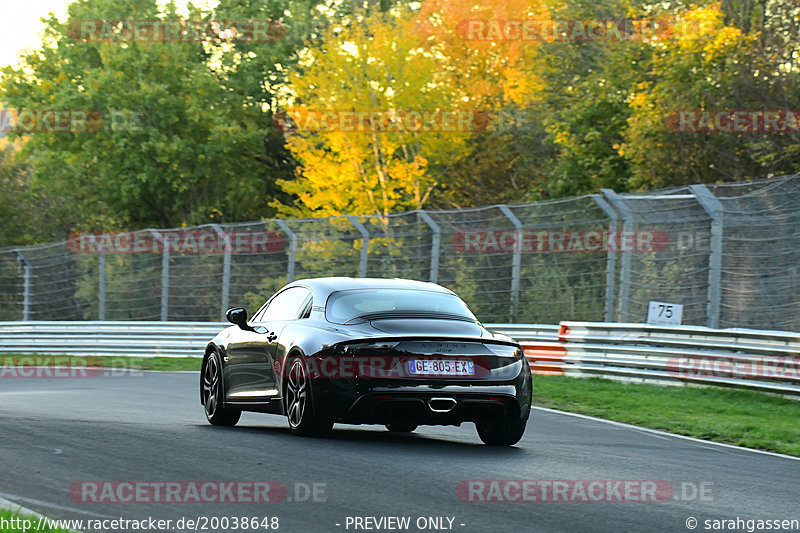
x,y
13,196
181,135
183,132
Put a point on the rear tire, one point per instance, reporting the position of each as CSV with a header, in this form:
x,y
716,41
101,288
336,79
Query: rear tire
x,y
401,427
299,403
505,431
212,395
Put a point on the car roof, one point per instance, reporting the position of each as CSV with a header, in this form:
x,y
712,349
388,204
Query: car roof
x,y
325,286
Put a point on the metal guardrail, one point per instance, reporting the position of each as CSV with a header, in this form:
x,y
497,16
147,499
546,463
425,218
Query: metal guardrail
x,y
125,339
756,359
151,339
526,332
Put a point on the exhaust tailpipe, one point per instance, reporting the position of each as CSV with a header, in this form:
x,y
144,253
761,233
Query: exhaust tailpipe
x,y
441,405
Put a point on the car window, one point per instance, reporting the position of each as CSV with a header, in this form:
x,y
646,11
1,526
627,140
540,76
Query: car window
x,y
308,304
258,314
285,306
345,305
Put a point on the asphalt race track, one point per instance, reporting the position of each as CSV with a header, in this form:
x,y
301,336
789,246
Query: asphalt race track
x,y
149,427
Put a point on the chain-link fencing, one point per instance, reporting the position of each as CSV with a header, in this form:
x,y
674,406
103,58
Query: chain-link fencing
x,y
729,253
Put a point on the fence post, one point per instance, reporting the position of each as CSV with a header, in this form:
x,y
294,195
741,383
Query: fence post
x,y
516,261
226,269
364,243
26,285
714,208
101,296
611,257
164,274
435,244
625,275
292,248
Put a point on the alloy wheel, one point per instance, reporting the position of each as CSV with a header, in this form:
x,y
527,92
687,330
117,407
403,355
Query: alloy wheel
x,y
296,388
211,386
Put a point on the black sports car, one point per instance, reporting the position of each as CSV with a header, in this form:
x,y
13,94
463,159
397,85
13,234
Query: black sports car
x,y
367,351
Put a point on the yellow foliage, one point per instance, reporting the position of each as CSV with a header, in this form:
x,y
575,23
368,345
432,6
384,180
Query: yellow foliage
x,y
703,29
384,70
491,63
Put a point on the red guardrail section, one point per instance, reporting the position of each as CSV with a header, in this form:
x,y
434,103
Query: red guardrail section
x,y
545,358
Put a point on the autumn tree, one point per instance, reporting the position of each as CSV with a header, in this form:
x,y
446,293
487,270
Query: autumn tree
x,y
710,65
377,70
182,132
400,61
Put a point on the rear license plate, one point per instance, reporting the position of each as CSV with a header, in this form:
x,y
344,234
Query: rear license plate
x,y
434,367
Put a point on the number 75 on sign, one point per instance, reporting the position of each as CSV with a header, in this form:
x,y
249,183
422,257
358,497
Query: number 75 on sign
x,y
664,313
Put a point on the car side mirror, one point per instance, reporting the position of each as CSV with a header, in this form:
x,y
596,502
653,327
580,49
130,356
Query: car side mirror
x,y
238,316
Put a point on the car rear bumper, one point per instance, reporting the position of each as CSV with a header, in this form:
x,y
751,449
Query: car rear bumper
x,y
383,401
438,408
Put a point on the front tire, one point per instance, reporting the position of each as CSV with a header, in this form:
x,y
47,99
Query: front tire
x,y
212,396
505,431
299,403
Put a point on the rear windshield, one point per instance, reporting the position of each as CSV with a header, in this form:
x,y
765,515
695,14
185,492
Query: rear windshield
x,y
346,305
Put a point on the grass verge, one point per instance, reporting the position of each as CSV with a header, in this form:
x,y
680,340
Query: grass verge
x,y
741,417
11,522
7,362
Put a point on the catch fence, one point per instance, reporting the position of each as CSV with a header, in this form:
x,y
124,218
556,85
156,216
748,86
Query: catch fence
x,y
729,253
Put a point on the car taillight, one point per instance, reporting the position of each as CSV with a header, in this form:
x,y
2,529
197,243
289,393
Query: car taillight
x,y
369,348
504,350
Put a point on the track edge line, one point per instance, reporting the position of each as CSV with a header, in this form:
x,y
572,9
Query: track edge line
x,y
665,433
